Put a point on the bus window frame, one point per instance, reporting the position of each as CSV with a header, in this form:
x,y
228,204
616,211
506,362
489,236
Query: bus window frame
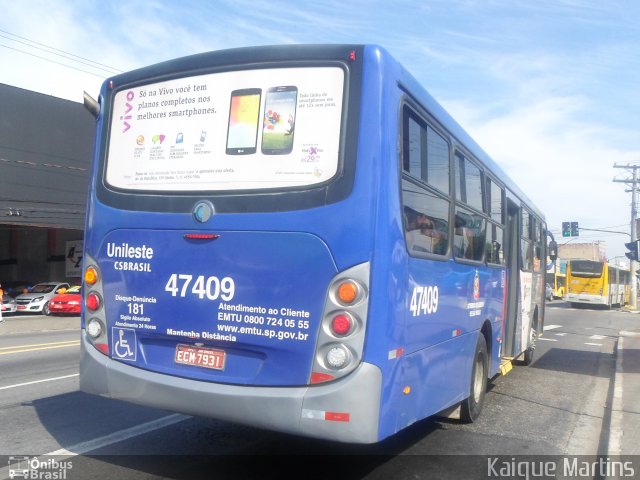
x,y
491,180
458,152
499,227
408,107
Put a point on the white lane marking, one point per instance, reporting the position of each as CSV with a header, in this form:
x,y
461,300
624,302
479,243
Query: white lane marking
x,y
560,334
594,344
597,337
551,327
100,442
615,426
39,381
548,339
118,436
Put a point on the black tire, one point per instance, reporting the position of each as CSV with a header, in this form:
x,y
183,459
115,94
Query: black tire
x,y
45,309
471,407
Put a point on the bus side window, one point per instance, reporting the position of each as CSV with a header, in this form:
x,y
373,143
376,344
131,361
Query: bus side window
x,y
469,235
425,187
494,194
468,180
495,253
425,152
426,222
527,255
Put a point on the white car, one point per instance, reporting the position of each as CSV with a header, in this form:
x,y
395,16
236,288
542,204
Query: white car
x,y
8,304
37,300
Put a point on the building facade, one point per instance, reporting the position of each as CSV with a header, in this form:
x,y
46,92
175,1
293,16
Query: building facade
x,y
46,145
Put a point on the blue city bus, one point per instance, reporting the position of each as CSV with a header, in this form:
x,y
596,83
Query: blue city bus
x,y
300,238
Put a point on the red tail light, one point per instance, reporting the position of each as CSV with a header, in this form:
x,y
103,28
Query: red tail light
x,y
341,324
93,302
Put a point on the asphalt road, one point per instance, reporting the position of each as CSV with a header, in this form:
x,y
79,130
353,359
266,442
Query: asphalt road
x,y
556,406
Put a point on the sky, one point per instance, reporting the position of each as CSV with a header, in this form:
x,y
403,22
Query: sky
x,y
548,88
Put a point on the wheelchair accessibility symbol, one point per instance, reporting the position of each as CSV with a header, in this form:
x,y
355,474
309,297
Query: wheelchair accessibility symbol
x,y
124,343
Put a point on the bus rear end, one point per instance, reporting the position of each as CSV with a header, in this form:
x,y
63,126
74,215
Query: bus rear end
x,y
587,282
228,243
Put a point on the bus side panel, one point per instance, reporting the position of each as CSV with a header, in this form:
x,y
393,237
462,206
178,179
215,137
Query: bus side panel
x,y
425,315
432,379
427,357
526,312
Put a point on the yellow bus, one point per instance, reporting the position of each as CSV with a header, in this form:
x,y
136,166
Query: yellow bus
x,y
558,283
597,283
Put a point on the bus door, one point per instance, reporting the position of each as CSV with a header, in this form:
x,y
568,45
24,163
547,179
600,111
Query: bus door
x,y
513,318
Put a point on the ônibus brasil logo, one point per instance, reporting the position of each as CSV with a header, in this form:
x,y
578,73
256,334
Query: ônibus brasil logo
x,y
38,468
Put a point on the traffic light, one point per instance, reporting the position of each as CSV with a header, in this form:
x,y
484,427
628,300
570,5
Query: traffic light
x,y
575,231
634,250
570,229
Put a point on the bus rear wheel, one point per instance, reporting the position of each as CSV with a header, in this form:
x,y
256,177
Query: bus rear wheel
x,y
471,407
527,357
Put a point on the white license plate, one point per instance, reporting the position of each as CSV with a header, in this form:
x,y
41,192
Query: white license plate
x,y
200,356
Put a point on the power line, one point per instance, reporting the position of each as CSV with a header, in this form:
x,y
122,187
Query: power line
x,y
62,51
52,61
63,54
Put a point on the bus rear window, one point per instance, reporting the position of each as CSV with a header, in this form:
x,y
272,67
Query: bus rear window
x,y
585,268
239,130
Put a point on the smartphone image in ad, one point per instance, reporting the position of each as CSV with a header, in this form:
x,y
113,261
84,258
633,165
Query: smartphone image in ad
x,y
244,120
279,120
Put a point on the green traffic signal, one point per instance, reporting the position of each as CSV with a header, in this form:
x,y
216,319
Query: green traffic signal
x,y
575,231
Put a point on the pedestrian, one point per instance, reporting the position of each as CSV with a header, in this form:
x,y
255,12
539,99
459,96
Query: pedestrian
x,y
1,295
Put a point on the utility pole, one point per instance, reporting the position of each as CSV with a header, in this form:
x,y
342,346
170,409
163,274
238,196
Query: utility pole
x,y
634,233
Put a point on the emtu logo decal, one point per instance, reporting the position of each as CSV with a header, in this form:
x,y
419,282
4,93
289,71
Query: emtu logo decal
x,y
476,286
128,107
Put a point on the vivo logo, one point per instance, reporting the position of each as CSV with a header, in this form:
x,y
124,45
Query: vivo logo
x,y
126,117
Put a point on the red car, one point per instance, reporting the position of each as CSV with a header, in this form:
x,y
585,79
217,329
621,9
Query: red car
x,y
67,302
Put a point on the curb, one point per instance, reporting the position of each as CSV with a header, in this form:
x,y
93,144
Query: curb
x,y
614,446
616,429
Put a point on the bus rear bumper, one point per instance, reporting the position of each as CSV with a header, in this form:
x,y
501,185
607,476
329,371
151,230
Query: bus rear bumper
x,y
585,298
346,410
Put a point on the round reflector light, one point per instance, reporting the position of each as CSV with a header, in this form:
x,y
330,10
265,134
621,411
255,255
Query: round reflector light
x,y
90,276
341,324
93,302
347,292
94,328
337,357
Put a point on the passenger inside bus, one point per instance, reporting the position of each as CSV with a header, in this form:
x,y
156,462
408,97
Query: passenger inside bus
x,y
423,235
463,237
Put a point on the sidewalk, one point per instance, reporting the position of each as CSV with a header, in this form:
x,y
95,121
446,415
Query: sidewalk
x,y
624,433
15,324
